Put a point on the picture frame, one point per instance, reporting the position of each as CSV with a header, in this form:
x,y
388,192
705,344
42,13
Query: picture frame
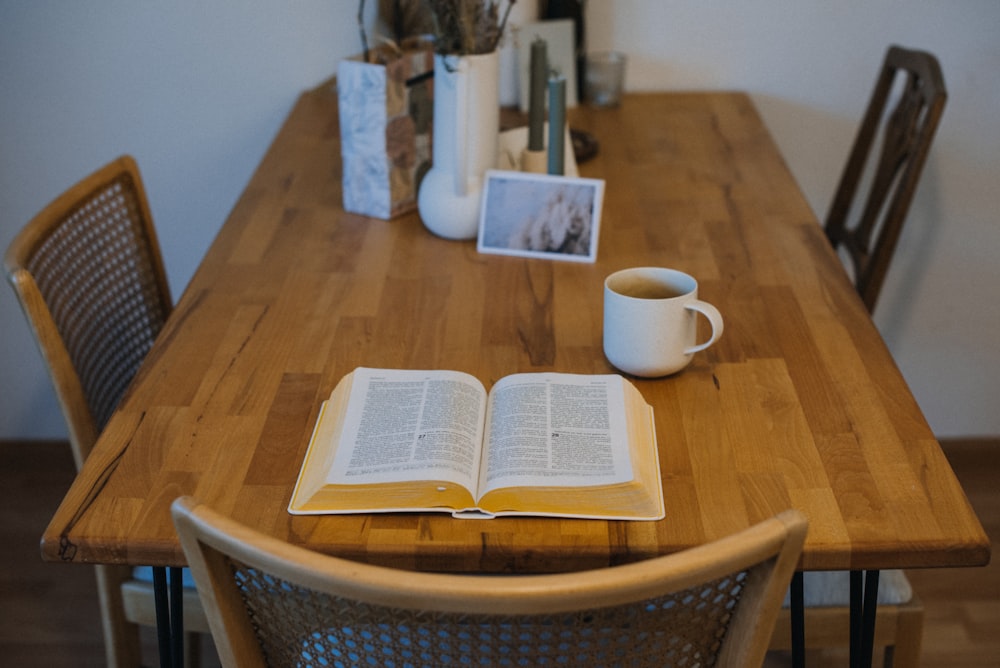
x,y
540,215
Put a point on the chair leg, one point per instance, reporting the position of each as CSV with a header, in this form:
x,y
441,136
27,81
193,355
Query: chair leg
x,y
192,650
121,638
909,636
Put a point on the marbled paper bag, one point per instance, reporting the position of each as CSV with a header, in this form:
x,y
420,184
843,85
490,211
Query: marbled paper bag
x,y
386,116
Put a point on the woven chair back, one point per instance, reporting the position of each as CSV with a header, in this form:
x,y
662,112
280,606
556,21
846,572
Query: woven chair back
x,y
274,604
90,278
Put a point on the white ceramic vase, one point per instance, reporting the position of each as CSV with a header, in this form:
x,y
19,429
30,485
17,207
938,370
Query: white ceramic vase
x,y
466,135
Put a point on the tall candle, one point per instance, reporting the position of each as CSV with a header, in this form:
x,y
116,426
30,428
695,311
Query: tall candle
x,y
557,123
536,100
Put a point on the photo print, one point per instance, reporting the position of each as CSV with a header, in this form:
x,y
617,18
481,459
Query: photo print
x,y
537,215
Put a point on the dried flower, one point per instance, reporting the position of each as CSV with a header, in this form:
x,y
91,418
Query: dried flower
x,y
467,27
460,27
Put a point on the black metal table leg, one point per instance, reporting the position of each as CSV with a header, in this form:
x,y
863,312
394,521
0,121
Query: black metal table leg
x,y
864,605
167,597
798,619
177,617
162,603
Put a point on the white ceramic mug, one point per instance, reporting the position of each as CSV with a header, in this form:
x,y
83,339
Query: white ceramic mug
x,y
650,320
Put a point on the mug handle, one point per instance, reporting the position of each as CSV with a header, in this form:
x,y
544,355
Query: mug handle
x,y
714,318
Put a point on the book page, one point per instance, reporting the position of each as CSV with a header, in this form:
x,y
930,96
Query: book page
x,y
553,429
403,425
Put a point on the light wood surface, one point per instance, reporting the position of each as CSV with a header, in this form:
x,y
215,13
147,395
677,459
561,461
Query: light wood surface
x,y
799,405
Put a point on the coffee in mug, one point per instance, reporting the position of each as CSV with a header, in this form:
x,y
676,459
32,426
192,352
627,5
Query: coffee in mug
x,y
650,320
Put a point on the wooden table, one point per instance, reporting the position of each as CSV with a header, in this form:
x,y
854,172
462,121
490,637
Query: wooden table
x,y
799,405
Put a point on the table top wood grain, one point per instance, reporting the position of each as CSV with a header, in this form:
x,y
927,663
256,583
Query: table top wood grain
x,y
799,405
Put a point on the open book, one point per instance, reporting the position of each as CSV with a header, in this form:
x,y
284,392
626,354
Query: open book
x,y
538,444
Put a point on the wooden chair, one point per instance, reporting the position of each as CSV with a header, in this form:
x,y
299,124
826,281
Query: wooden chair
x,y
914,80
272,603
88,273
906,133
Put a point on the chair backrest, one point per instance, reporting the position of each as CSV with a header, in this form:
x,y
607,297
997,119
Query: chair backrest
x,y
906,131
88,273
272,603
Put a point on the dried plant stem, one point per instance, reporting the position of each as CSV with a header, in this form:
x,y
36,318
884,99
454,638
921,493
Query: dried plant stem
x,y
503,23
361,29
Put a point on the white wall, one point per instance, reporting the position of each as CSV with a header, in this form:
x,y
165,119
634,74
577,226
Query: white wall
x,y
196,91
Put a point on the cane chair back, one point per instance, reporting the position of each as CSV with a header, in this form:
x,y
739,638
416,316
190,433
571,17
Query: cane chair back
x,y
271,603
89,276
905,129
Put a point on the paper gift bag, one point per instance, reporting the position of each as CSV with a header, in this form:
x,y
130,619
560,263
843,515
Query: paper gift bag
x,y
386,116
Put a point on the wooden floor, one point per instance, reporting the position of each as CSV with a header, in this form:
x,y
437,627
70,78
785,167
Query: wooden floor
x,y
49,616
